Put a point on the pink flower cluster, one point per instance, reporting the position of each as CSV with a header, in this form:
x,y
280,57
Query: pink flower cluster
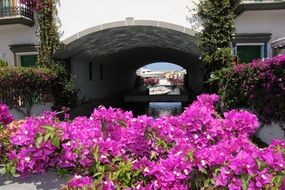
x,y
151,81
5,116
178,81
35,5
114,150
277,61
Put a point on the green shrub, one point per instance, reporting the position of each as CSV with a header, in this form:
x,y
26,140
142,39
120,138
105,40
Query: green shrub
x,y
20,86
63,89
25,86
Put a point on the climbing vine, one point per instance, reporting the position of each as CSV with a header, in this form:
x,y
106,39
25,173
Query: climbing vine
x,y
48,35
63,91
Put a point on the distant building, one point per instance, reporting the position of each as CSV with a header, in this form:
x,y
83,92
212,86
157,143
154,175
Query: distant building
x,y
175,74
146,73
259,29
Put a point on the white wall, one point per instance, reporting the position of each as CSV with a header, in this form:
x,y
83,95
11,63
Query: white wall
x,y
269,132
111,83
37,110
77,15
14,34
262,22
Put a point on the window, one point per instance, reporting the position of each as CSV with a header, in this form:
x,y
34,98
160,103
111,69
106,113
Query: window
x,y
27,59
24,54
247,53
250,46
5,4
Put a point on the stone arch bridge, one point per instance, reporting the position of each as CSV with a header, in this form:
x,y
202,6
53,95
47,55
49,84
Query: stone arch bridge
x,y
105,58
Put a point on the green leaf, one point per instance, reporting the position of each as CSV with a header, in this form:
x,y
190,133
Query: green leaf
x,y
104,126
47,136
278,180
1,127
10,168
122,123
49,128
55,141
260,164
190,155
97,174
245,181
39,140
95,154
62,172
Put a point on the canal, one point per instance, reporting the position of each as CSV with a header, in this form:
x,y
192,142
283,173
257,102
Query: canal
x,y
161,109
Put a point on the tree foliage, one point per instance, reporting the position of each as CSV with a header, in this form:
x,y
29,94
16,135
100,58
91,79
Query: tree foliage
x,y
215,38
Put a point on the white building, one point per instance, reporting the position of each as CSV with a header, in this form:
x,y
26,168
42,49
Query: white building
x,y
260,29
17,34
146,73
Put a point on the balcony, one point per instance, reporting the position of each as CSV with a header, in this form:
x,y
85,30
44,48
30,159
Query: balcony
x,y
16,15
255,5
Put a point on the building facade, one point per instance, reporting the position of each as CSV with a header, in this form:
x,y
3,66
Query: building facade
x,y
259,29
17,34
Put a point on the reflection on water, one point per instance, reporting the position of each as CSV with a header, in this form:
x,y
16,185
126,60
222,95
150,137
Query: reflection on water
x,y
160,109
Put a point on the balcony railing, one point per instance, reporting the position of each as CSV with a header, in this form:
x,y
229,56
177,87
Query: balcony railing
x,y
17,14
243,5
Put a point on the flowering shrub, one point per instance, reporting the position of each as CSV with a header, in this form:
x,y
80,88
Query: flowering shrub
x,y
35,5
259,86
113,150
5,116
151,81
5,119
176,81
22,86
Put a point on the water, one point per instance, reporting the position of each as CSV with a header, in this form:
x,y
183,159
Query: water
x,y
160,109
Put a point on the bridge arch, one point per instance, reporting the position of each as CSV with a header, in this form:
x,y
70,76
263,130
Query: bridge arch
x,y
105,58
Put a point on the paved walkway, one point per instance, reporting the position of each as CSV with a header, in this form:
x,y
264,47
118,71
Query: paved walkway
x,y
47,181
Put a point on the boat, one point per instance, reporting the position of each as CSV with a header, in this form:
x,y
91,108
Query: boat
x,y
160,90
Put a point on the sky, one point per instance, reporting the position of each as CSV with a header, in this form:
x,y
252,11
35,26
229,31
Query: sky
x,y
163,66
76,17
